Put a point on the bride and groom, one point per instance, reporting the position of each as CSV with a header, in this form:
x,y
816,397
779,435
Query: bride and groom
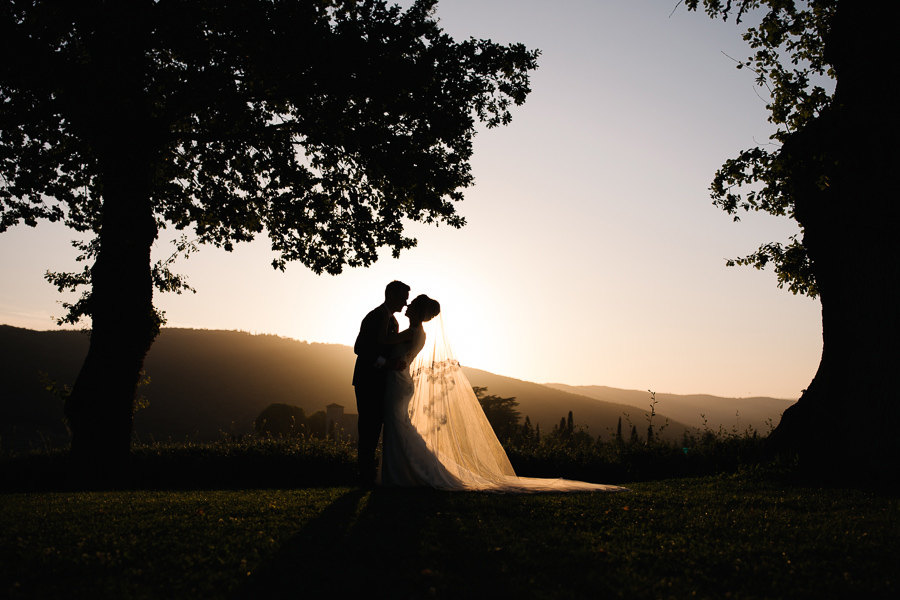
x,y
435,432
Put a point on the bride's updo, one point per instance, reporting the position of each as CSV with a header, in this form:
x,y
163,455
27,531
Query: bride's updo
x,y
429,307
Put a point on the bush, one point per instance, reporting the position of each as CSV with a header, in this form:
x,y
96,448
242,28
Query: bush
x,y
254,461
234,462
579,456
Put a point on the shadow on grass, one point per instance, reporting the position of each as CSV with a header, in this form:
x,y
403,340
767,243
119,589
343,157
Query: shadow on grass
x,y
366,542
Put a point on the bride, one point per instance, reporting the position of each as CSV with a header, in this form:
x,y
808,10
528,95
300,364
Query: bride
x,y
435,432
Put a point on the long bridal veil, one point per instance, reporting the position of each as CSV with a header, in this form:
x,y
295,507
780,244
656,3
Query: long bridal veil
x,y
447,415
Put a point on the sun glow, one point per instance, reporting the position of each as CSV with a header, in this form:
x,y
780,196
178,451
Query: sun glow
x,y
469,309
461,313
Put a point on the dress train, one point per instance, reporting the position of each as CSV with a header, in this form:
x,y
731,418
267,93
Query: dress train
x,y
437,435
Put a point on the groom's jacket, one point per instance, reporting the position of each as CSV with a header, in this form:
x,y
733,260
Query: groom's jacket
x,y
370,353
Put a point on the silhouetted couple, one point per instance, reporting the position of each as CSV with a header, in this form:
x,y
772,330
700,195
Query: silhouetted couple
x,y
435,431
376,357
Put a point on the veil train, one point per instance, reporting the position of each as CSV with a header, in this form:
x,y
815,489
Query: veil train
x,y
447,415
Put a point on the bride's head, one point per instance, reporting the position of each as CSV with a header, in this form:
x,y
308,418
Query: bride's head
x,y
423,309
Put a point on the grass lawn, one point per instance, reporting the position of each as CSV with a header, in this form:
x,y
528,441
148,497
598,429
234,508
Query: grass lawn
x,y
713,537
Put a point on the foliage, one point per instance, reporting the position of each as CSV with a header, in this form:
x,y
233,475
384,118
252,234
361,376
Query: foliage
x,y
791,62
573,453
500,412
61,392
325,125
240,461
245,461
284,420
650,415
315,424
662,539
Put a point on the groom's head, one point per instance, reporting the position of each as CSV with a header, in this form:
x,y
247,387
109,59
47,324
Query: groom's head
x,y
395,295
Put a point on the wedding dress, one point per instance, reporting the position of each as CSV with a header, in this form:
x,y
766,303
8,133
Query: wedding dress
x,y
437,435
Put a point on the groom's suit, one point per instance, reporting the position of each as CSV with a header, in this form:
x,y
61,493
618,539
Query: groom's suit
x,y
369,375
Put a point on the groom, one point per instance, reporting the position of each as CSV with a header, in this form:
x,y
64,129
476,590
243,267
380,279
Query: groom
x,y
372,353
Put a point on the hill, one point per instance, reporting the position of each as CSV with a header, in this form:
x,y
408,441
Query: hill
x,y
547,405
730,413
201,382
204,383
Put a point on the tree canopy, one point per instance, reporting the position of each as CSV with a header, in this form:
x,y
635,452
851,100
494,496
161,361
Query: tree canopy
x,y
279,419
500,412
327,125
790,62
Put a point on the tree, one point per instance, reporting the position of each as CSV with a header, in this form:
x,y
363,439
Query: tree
x,y
325,125
316,424
829,169
284,420
500,412
527,428
525,436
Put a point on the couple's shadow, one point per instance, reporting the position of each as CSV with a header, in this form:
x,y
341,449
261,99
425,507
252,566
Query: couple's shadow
x,y
364,542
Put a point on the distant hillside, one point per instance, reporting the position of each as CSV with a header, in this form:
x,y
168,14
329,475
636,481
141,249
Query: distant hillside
x,y
730,413
205,382
28,413
546,405
201,382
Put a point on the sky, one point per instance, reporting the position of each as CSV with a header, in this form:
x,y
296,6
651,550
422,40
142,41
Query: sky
x,y
592,255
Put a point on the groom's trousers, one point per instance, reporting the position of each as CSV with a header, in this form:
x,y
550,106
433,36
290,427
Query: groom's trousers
x,y
370,407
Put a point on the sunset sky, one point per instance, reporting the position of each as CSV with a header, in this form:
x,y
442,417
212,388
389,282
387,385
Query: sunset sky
x,y
592,254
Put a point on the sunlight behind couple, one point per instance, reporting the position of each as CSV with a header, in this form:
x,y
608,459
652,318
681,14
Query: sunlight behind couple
x,y
459,326
473,324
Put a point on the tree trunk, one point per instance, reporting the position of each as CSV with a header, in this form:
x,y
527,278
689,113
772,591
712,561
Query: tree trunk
x,y
115,121
124,325
845,422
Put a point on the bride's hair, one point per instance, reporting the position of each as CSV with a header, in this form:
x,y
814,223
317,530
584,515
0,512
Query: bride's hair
x,y
429,306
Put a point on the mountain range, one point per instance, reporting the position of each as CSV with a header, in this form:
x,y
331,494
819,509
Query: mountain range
x,y
204,383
